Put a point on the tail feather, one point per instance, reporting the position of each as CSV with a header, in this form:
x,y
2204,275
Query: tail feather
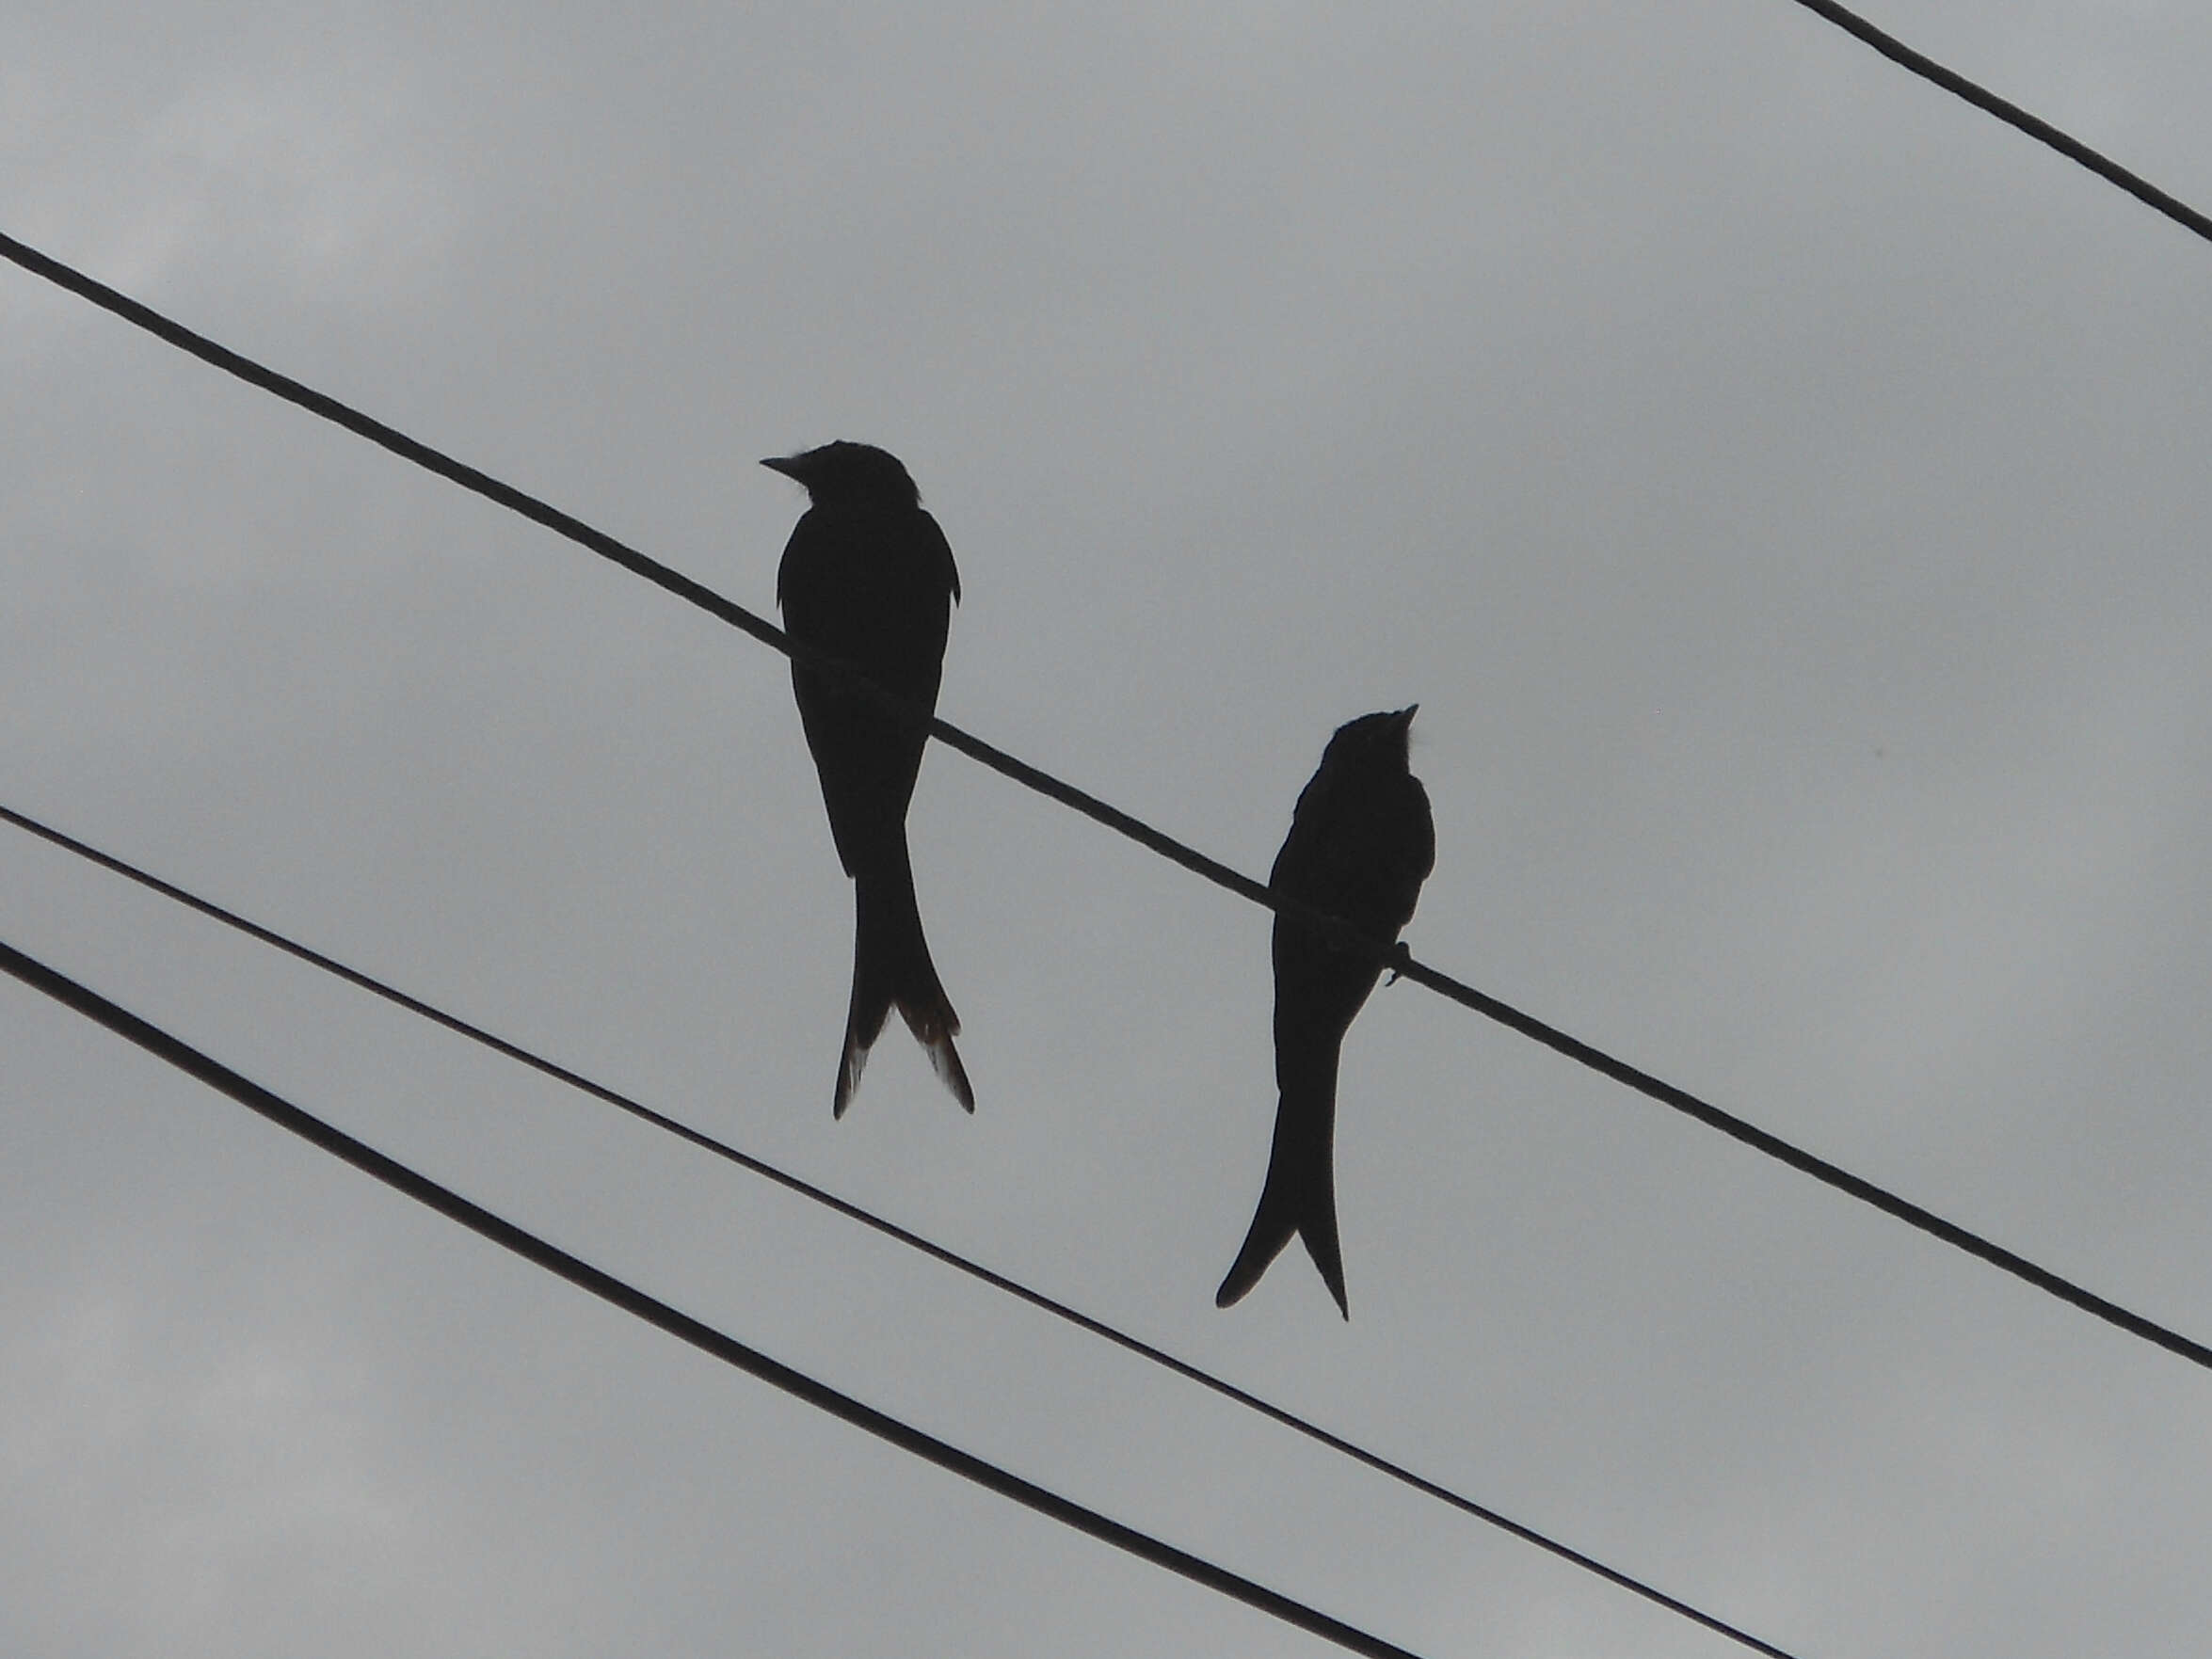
x,y
934,1024
1299,1200
892,968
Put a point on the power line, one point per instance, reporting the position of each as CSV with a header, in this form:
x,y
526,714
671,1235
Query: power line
x,y
889,1229
2072,148
705,1337
1397,956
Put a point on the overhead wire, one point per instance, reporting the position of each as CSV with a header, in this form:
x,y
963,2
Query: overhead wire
x,y
637,1303
2043,132
889,1229
1398,956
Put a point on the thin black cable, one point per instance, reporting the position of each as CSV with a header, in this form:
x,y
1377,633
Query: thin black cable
x,y
636,1302
806,1189
1828,1175
1396,955
2072,148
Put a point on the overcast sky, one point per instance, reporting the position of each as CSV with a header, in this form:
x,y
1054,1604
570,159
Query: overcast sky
x,y
1783,490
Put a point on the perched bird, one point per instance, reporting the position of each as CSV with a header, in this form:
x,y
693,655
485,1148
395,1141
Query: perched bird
x,y
1361,842
868,577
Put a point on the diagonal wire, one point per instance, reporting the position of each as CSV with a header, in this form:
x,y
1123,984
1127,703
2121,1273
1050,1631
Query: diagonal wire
x,y
1400,958
806,1189
705,1337
2072,148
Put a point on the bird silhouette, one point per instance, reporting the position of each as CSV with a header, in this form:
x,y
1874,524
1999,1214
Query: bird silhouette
x,y
1361,842
868,578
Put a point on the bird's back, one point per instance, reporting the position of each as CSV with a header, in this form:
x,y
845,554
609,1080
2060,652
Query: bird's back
x,y
873,585
1360,846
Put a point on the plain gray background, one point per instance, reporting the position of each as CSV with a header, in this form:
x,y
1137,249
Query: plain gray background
x,y
1781,487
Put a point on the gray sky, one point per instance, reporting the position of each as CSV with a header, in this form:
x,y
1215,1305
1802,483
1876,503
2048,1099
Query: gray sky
x,y
1781,488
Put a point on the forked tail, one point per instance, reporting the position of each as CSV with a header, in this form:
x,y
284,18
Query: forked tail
x,y
892,968
1300,1199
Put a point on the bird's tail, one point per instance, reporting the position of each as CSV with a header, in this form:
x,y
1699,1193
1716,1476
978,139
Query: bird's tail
x,y
892,968
1300,1199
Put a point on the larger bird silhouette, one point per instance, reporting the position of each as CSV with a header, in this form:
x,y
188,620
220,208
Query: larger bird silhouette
x,y
868,578
1361,843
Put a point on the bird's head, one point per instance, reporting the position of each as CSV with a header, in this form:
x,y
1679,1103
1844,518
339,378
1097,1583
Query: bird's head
x,y
1380,741
849,474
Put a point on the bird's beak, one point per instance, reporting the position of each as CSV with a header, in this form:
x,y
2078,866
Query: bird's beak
x,y
787,465
1405,716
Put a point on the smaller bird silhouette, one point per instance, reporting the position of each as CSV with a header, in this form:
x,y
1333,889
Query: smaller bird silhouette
x,y
1361,843
868,578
